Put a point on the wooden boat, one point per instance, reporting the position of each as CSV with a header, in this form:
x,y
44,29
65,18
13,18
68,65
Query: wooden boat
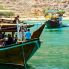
x,y
5,21
53,24
17,55
55,18
9,25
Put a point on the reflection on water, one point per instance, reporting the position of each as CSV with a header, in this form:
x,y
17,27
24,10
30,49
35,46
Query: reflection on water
x,y
54,30
54,50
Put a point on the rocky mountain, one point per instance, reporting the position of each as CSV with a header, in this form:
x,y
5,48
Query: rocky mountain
x,y
34,7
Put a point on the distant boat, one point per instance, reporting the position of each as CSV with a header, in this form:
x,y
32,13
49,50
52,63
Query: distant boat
x,y
55,18
17,55
53,24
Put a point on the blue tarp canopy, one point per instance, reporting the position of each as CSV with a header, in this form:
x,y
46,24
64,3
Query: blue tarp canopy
x,y
52,11
55,11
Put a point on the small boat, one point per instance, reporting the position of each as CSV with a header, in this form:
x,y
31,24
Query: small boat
x,y
2,20
16,55
53,24
55,18
8,25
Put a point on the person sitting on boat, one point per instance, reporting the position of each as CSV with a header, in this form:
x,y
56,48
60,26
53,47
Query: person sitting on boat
x,y
15,39
5,40
3,34
28,34
9,40
0,35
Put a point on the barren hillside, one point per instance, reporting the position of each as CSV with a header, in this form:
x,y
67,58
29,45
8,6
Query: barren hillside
x,y
34,7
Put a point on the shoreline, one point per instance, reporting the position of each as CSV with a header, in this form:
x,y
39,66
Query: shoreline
x,y
40,18
34,18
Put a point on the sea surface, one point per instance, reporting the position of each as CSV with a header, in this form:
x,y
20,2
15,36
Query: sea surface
x,y
54,50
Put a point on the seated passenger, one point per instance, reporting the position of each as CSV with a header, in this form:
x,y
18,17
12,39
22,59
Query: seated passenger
x,y
15,39
9,40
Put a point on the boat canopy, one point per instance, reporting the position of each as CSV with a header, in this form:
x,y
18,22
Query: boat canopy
x,y
55,11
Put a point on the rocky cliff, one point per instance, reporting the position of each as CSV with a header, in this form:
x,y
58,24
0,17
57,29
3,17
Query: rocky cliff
x,y
34,7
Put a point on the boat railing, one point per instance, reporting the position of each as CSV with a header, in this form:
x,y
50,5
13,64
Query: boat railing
x,y
21,42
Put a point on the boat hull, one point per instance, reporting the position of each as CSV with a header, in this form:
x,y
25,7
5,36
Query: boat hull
x,y
53,24
19,53
11,66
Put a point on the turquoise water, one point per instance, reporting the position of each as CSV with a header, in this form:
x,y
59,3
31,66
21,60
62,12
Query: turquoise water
x,y
54,50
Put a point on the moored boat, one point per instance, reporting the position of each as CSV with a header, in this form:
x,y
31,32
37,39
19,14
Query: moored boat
x,y
53,23
55,18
